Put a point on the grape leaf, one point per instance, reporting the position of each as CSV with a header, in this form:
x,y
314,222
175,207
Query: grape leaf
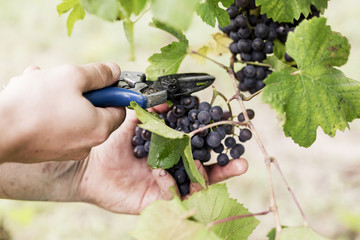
x,y
209,11
77,13
132,6
214,204
107,10
167,145
169,220
299,233
129,33
176,13
168,61
288,10
314,94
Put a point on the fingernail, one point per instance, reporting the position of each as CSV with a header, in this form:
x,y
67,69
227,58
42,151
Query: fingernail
x,y
115,69
162,173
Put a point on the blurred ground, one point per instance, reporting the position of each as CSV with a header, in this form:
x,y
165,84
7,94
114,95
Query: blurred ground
x,y
325,177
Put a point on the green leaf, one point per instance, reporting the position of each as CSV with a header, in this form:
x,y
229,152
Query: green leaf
x,y
167,28
314,94
168,61
108,10
77,13
279,49
169,220
299,233
176,13
167,145
288,10
209,11
132,6
129,33
214,204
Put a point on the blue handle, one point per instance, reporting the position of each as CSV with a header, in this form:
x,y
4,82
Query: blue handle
x,y
115,97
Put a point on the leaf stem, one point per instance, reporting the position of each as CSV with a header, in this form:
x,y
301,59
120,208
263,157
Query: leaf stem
x,y
141,15
216,124
232,218
210,59
217,93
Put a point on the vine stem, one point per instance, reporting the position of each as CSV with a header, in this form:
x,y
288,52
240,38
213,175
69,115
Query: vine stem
x,y
273,206
212,60
232,218
216,124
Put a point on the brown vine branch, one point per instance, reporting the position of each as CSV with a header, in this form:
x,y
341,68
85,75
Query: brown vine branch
x,y
277,166
232,218
273,206
216,124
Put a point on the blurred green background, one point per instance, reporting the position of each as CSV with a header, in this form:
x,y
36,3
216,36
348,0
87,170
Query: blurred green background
x,y
324,177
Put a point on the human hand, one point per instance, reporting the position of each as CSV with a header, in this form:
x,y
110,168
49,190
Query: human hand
x,y
44,116
112,178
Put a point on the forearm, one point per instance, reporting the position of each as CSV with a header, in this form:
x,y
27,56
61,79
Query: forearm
x,y
49,181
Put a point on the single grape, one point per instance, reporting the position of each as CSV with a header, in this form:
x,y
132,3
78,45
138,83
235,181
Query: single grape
x,y
245,57
282,29
199,154
288,58
138,131
213,139
258,56
139,151
171,117
195,125
244,45
184,121
242,87
259,85
260,73
272,34
178,110
226,115
253,20
237,151
269,47
249,71
221,130
234,36
228,128
192,114
245,134
250,114
250,82
240,21
219,148
233,48
216,113
137,140
197,141
222,159
258,44
147,146
230,142
241,3
146,135
232,11
261,30
188,102
204,106
240,75
184,188
204,117
244,32
180,176
204,132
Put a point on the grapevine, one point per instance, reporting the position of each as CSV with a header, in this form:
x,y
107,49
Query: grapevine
x,y
283,52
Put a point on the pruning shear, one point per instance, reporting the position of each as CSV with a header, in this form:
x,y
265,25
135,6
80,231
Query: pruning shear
x,y
133,86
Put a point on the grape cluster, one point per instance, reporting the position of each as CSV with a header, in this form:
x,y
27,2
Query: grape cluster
x,y
188,114
253,38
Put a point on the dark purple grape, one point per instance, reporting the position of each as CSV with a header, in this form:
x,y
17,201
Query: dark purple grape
x,y
146,135
260,73
139,151
259,85
219,148
226,115
246,57
195,125
192,114
282,30
137,140
261,30
222,159
228,128
199,154
244,45
272,34
204,117
171,117
221,130
240,75
237,151
249,71
234,36
204,132
240,21
269,46
258,44
204,106
244,32
258,56
197,141
183,122
178,110
242,87
216,113
147,146
245,134
250,114
213,139
253,20
230,142
138,131
288,58
233,48
250,82
232,11
183,129
184,188
207,157
241,3
180,176
188,102
252,4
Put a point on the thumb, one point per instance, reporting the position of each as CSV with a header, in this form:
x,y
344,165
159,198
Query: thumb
x,y
109,119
